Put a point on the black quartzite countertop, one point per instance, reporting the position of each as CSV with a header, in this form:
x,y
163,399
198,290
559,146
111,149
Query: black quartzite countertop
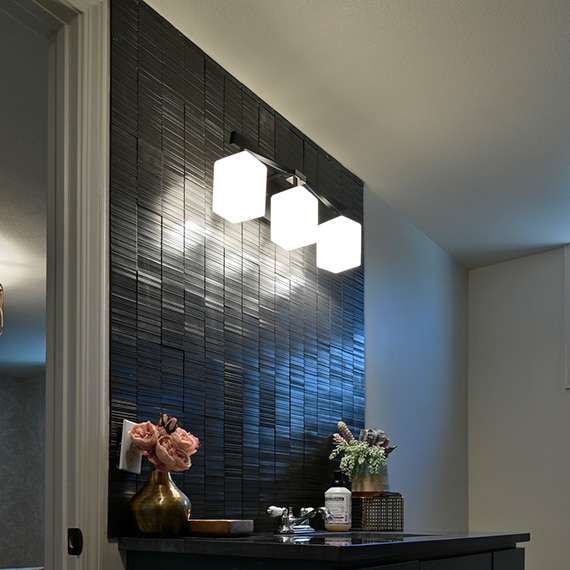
x,y
380,547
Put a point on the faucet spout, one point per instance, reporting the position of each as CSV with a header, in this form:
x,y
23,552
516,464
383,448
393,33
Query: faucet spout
x,y
290,524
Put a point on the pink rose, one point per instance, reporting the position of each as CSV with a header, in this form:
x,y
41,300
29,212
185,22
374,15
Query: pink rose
x,y
144,435
185,441
159,465
170,455
169,423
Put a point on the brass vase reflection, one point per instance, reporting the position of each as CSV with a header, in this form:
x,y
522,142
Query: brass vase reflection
x,y
160,508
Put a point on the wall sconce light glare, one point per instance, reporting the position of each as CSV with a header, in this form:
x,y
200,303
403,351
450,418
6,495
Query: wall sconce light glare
x,y
294,218
339,244
239,187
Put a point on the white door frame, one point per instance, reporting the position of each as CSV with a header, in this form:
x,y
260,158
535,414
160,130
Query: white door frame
x,y
77,375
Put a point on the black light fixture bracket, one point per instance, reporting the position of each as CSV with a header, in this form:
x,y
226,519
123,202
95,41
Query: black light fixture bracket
x,y
293,175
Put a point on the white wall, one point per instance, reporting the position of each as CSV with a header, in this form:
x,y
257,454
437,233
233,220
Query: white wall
x,y
23,190
519,416
416,366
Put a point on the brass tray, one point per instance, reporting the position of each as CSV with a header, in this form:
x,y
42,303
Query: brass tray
x,y
219,527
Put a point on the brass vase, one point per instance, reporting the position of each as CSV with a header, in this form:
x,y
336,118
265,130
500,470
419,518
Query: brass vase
x,y
366,484
160,508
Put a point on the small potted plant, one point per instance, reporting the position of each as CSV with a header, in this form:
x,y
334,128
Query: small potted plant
x,y
363,460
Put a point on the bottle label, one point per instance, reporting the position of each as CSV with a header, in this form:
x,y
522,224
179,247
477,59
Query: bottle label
x,y
340,508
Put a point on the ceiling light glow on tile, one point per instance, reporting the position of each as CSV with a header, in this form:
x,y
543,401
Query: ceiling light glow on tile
x,y
239,187
339,244
294,218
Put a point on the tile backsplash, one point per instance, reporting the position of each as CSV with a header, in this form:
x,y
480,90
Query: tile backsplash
x,y
253,348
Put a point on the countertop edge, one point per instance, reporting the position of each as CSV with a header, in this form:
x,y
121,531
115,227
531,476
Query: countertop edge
x,y
412,547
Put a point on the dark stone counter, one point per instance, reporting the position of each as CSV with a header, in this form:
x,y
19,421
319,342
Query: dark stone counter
x,y
325,550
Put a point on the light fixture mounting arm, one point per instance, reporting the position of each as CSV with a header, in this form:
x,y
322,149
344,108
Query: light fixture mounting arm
x,y
240,142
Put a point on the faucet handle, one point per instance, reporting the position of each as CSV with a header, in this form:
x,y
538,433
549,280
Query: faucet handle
x,y
273,511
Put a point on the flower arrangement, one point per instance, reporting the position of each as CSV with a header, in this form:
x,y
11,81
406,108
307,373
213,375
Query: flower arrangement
x,y
368,452
166,445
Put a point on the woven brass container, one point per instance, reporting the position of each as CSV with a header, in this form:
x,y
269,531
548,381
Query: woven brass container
x,y
384,513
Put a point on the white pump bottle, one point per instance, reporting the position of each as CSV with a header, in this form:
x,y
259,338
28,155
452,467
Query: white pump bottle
x,y
338,500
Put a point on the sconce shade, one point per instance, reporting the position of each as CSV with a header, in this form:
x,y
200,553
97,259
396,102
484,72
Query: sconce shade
x,y
339,244
239,187
294,218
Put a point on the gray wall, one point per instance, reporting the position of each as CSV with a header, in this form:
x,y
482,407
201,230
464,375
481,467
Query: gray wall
x,y
22,421
23,190
23,173
519,460
416,365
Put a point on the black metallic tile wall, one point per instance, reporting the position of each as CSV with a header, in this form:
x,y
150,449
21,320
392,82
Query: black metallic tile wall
x,y
254,349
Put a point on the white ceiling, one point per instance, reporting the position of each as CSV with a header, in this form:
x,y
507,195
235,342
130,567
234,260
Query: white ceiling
x,y
457,112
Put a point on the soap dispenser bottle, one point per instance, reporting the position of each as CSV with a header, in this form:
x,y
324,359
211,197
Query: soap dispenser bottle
x,y
338,500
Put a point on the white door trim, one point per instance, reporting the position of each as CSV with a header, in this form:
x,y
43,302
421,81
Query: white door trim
x,y
77,376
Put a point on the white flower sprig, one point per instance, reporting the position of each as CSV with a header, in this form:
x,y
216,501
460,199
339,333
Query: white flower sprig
x,y
370,448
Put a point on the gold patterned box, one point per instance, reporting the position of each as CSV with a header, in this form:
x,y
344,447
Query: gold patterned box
x,y
385,512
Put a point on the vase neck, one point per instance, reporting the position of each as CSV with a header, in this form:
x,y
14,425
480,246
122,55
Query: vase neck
x,y
159,476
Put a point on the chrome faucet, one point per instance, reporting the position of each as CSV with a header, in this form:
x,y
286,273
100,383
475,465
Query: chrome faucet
x,y
291,524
